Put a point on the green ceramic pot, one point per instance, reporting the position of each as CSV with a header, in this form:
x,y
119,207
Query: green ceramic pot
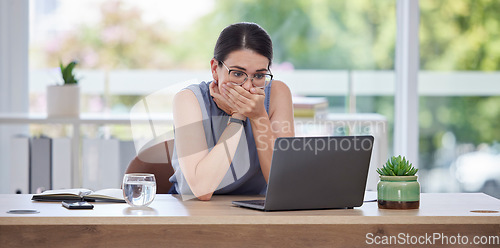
x,y
398,192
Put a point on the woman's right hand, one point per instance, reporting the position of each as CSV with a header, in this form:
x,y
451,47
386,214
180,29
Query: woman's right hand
x,y
221,102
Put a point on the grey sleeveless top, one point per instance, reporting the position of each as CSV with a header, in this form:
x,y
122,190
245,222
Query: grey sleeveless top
x,y
244,176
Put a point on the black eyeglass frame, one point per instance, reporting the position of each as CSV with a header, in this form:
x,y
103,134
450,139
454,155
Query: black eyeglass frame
x,y
246,78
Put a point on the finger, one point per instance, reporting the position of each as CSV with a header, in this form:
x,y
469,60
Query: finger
x,y
232,104
227,105
237,97
237,91
236,100
219,98
236,87
240,90
215,95
257,91
223,95
213,88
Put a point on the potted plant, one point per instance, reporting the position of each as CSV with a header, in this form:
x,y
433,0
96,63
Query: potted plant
x,y
64,100
398,187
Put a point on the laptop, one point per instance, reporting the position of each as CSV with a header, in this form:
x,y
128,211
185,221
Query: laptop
x,y
316,173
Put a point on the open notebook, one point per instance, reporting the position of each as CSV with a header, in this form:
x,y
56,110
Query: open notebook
x,y
104,195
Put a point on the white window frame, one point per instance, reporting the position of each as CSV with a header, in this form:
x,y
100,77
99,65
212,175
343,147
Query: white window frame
x,y
407,69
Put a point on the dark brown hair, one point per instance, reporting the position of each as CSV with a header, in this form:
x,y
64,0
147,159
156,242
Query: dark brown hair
x,y
243,35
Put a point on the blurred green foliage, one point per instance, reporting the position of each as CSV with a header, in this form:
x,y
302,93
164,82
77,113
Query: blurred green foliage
x,y
322,34
458,35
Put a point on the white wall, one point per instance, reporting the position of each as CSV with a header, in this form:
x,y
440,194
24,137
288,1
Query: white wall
x,y
14,38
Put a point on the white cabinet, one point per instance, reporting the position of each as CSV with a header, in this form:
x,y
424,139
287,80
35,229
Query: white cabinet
x,y
76,123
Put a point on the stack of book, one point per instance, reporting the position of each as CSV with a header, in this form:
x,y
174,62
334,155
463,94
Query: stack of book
x,y
309,106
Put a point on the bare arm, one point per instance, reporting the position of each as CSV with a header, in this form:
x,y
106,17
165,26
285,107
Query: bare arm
x,y
279,123
203,170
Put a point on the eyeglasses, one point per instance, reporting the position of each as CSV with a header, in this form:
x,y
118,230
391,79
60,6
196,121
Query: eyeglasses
x,y
259,80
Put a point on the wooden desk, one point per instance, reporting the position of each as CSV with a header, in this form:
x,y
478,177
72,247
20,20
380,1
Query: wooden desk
x,y
170,222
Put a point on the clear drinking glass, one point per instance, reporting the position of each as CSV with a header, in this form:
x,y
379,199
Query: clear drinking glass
x,y
139,189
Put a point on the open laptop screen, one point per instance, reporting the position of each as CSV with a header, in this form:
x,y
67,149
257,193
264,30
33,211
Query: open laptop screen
x,y
318,172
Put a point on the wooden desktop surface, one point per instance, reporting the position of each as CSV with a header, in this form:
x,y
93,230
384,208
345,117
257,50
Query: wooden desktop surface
x,y
171,222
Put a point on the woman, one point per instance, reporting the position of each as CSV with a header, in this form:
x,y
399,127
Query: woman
x,y
225,129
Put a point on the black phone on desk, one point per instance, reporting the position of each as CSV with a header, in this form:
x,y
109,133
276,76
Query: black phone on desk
x,y
77,205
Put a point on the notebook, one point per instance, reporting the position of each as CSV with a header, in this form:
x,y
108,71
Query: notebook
x,y
316,173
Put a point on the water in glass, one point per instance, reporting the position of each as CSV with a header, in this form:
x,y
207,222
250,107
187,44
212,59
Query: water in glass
x,y
139,189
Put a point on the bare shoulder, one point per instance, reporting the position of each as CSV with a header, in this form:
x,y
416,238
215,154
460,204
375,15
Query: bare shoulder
x,y
280,102
185,102
280,93
184,96
279,87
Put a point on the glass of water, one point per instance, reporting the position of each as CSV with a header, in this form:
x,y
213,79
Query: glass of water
x,y
139,189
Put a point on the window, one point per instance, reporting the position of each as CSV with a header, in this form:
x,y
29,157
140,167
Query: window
x,y
341,50
460,96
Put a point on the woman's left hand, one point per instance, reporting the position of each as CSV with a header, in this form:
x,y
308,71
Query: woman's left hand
x,y
220,100
249,104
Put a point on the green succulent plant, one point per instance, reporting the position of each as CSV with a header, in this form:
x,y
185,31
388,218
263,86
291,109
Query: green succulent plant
x,y
397,166
67,72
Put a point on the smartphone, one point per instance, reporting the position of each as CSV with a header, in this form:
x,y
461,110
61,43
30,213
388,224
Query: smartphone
x,y
77,205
